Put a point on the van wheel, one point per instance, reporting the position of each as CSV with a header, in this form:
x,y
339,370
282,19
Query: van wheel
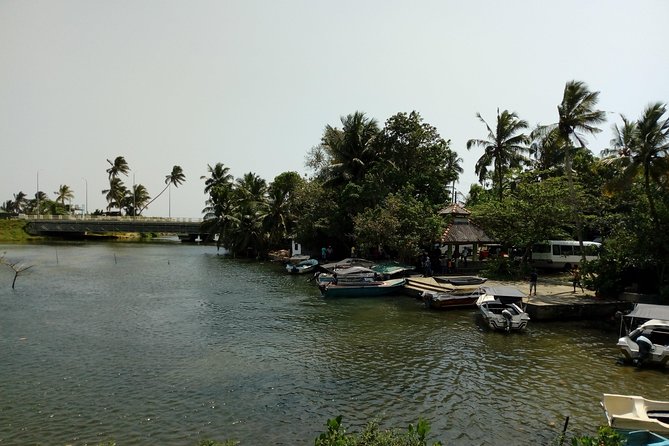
x,y
567,267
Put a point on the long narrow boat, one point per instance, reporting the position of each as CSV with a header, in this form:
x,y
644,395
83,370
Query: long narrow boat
x,y
453,299
629,412
362,288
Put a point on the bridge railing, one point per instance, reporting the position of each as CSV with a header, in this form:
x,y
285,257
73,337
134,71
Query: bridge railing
x,y
138,218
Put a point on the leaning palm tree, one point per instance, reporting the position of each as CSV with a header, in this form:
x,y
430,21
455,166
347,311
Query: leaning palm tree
x,y
175,178
64,193
504,148
578,116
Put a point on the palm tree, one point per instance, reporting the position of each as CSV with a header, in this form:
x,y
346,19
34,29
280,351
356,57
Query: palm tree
x,y
117,190
20,202
115,194
175,178
281,220
577,116
135,200
117,167
64,193
504,147
220,213
642,148
219,175
547,150
350,149
250,194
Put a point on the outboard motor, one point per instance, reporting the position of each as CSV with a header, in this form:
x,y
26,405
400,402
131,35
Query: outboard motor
x,y
645,346
507,318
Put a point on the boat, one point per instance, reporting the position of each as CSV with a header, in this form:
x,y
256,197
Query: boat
x,y
644,438
304,266
365,288
392,269
347,263
629,412
455,299
351,274
647,343
461,280
501,308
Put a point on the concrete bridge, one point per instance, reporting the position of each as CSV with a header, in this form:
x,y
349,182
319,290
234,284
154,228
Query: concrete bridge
x,y
79,226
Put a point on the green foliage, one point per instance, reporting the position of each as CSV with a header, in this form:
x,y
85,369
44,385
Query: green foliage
x,y
536,211
372,435
413,155
606,436
13,231
401,224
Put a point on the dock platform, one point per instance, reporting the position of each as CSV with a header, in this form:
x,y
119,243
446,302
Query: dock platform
x,y
554,300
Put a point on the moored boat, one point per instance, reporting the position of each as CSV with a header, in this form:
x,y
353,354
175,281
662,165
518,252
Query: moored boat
x,y
362,288
351,274
501,308
647,343
630,412
461,280
302,267
455,299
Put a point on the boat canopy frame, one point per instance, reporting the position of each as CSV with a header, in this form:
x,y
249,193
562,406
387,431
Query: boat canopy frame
x,y
650,311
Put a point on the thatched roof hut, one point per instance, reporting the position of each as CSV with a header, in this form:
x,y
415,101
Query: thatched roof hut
x,y
461,231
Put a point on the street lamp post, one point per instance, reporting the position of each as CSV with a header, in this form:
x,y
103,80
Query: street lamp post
x,y
86,206
37,195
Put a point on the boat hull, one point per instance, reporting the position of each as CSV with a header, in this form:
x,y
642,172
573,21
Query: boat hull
x,y
654,352
447,301
367,289
629,412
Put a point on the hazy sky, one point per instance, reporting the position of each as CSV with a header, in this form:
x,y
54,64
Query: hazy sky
x,y
253,83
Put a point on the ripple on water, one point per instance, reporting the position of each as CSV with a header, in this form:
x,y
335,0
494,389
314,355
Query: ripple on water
x,y
170,344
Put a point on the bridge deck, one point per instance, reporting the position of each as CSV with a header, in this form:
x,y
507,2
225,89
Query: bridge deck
x,y
88,224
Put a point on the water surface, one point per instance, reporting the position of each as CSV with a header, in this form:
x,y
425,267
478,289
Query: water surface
x,y
169,344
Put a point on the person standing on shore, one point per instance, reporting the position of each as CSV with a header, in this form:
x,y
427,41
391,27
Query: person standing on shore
x,y
533,281
576,278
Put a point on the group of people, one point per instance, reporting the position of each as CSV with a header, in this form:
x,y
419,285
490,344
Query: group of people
x,y
326,253
443,264
575,280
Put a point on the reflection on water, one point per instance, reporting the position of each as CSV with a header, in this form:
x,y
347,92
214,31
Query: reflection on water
x,y
169,344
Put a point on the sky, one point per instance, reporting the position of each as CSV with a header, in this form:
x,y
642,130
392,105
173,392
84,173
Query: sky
x,y
253,83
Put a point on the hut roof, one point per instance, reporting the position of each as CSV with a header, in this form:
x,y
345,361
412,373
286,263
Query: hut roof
x,y
454,209
464,231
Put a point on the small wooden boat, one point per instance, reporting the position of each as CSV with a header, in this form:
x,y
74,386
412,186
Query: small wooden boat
x,y
352,274
365,288
392,269
461,280
305,266
644,438
455,299
628,412
347,263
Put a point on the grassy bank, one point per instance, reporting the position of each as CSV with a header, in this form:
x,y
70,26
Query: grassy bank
x,y
12,231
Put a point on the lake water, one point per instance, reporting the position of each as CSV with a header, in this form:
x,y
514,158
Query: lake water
x,y
164,343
